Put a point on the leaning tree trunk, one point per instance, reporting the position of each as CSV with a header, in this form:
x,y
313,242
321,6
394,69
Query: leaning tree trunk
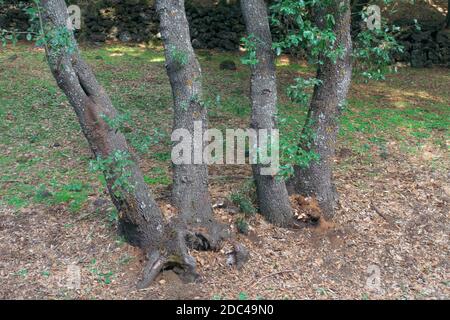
x,y
190,181
273,198
141,221
323,115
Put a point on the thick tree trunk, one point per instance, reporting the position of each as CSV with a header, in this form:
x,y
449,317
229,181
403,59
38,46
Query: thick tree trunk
x,y
141,221
190,185
324,112
272,194
140,218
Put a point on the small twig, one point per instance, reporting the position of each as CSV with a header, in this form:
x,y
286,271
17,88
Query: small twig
x,y
346,204
378,212
41,27
271,275
10,181
19,32
84,216
382,215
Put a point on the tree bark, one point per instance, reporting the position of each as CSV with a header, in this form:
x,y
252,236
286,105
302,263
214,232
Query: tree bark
x,y
273,198
140,219
190,181
323,115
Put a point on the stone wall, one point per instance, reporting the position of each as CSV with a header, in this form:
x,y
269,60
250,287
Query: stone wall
x,y
213,24
217,24
123,20
426,46
216,27
12,16
430,43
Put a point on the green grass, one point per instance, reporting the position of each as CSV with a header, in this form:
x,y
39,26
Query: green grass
x,y
45,158
158,176
412,126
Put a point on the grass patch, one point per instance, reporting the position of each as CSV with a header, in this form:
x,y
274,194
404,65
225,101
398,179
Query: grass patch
x,y
45,156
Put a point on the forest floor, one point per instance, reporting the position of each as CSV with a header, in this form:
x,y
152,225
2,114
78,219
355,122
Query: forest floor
x,y
390,238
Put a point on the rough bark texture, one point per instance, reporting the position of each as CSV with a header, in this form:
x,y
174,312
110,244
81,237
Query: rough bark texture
x,y
141,221
190,181
140,218
323,115
272,194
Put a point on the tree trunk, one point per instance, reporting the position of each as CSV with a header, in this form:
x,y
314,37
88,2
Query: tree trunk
x,y
272,194
190,181
323,115
140,218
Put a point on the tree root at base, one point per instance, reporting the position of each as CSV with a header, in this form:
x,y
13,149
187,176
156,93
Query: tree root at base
x,y
174,253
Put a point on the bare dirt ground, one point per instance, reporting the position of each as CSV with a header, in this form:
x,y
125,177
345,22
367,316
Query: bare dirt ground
x,y
395,222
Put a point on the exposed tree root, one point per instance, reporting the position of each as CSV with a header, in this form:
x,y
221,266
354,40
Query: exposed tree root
x,y
173,253
174,256
206,235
